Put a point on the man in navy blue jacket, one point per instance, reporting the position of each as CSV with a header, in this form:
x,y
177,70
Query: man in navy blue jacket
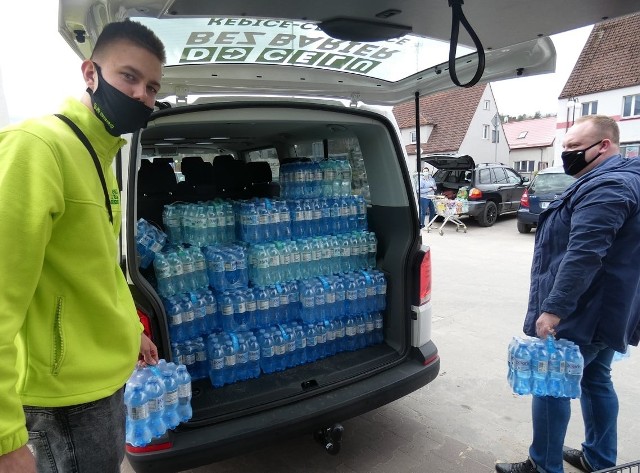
x,y
585,280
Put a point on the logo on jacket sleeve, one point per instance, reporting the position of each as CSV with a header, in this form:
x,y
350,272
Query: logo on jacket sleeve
x,y
115,196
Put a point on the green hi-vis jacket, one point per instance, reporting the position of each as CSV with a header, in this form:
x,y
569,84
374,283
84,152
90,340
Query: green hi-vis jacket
x,y
69,332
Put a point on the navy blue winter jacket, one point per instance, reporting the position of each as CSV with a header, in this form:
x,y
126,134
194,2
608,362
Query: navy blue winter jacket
x,y
586,261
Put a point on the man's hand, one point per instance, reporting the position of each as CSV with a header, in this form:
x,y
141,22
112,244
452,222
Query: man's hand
x,y
546,324
18,461
148,350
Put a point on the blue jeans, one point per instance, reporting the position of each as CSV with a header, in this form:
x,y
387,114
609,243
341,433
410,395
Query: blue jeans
x,y
77,439
599,404
426,207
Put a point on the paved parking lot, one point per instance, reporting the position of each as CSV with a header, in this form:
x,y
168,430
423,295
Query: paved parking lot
x,y
467,418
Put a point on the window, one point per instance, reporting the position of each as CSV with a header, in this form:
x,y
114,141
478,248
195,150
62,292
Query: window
x,y
522,135
631,105
270,155
512,177
500,176
485,132
487,105
631,150
414,137
590,108
484,176
495,136
524,166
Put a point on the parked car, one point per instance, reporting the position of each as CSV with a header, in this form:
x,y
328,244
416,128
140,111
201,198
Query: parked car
x,y
311,86
493,188
546,186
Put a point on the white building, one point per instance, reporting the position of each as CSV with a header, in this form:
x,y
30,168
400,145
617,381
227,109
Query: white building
x,y
606,81
457,121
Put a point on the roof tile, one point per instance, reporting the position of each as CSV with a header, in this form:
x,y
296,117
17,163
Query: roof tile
x,y
450,113
609,59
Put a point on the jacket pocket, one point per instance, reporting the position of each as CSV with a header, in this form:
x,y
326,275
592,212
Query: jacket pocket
x,y
57,346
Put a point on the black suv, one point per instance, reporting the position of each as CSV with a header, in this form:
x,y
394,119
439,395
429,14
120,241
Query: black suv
x,y
493,188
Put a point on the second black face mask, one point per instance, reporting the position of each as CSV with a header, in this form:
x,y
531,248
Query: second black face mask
x,y
118,112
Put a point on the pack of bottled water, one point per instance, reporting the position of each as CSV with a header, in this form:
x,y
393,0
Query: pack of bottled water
x,y
157,398
326,178
544,367
149,242
247,354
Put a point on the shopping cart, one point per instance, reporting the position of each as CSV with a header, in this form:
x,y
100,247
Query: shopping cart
x,y
451,210
633,467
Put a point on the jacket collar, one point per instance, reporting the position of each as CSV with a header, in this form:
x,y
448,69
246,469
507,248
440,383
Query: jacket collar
x,y
105,144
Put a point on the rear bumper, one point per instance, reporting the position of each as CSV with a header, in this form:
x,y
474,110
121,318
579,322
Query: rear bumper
x,y
527,217
193,447
476,207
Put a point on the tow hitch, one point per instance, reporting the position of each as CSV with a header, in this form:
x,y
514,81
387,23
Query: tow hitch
x,y
330,438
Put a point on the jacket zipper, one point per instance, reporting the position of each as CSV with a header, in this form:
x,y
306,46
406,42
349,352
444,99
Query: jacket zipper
x,y
58,341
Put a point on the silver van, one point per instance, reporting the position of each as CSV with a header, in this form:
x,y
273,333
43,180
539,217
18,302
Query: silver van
x,y
253,89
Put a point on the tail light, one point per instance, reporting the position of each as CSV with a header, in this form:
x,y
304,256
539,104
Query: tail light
x,y
152,447
144,319
425,278
524,200
475,194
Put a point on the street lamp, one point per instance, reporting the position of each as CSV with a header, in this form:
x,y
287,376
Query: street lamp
x,y
572,104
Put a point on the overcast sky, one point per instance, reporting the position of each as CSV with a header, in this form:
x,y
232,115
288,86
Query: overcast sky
x,y
38,69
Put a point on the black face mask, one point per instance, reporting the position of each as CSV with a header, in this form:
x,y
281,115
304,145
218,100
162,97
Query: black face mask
x,y
119,113
573,161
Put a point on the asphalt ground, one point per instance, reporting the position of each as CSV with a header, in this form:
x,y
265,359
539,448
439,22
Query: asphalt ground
x,y
466,419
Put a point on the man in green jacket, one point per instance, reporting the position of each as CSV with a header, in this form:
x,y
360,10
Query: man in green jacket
x,y
69,331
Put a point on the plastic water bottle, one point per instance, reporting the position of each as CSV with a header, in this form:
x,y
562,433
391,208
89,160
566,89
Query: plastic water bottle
x,y
511,349
340,335
372,249
216,365
522,369
138,433
154,389
267,352
170,416
274,304
225,303
215,268
229,362
574,365
360,331
164,280
294,300
381,291
211,307
280,350
285,220
351,296
290,342
189,356
172,225
199,314
300,354
340,294
555,382
176,272
242,360
539,369
188,317
312,343
378,332
369,327
174,319
188,270
321,337
262,303
330,346
252,308
184,393
253,368
307,302
351,333
201,365
200,267
319,309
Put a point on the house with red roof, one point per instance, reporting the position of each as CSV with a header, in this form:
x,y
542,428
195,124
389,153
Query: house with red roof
x,y
606,80
456,121
531,144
